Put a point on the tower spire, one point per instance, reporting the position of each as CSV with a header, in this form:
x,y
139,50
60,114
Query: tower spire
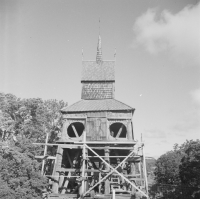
x,y
99,58
99,26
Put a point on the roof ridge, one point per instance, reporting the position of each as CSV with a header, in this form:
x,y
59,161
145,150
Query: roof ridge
x,y
88,105
70,105
122,103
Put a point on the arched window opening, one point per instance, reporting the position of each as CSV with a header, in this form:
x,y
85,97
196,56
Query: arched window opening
x,y
118,130
75,129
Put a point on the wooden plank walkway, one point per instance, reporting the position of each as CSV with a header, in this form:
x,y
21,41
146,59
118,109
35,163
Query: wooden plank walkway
x,y
74,196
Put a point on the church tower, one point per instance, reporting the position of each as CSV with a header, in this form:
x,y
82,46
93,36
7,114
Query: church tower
x,y
98,102
96,153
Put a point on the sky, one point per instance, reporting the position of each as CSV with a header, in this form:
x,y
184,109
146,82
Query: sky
x,y
157,61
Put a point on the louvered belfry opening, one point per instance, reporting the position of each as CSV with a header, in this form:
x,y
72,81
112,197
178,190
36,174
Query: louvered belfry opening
x,y
96,151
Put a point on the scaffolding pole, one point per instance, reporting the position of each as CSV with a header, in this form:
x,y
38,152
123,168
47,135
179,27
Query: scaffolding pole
x,y
113,170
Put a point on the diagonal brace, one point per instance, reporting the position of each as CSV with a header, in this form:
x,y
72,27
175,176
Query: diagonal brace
x,y
109,172
114,170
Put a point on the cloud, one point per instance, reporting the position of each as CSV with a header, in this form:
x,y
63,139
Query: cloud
x,y
177,34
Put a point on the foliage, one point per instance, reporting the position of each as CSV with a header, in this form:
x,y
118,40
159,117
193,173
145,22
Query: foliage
x,y
167,168
23,122
20,172
177,172
190,167
29,118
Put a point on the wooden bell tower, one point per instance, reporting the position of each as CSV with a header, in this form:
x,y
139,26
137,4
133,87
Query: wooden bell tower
x,y
97,154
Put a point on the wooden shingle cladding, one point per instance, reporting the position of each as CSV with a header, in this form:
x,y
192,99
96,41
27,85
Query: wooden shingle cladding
x,y
97,90
102,71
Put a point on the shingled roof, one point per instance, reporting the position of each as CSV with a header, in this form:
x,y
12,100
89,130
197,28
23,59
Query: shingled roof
x,y
102,71
97,105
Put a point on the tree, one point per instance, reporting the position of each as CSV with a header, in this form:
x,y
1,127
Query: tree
x,y
190,168
29,118
167,168
22,122
20,173
177,172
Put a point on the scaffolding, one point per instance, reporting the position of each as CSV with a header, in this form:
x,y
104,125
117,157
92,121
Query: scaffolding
x,y
93,169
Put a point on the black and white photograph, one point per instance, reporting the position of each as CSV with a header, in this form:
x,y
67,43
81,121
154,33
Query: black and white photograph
x,y
99,99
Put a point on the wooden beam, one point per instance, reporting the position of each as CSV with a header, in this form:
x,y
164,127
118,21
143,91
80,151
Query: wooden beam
x,y
66,183
73,146
107,181
89,142
80,170
56,168
74,117
82,188
119,118
145,170
46,157
107,156
75,131
119,132
121,148
69,178
136,179
115,142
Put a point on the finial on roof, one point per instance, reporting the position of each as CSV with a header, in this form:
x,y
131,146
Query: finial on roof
x,y
115,53
99,51
99,26
82,54
99,58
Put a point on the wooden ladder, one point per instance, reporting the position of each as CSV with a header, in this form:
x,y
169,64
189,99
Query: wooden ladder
x,y
115,182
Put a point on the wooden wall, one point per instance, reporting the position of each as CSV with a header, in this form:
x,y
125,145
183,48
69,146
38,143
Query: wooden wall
x,y
97,125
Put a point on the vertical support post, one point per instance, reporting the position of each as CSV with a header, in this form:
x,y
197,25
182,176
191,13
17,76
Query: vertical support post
x,y
107,182
100,184
113,195
139,168
86,167
45,151
129,130
61,179
140,173
56,168
133,190
66,184
144,168
83,165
